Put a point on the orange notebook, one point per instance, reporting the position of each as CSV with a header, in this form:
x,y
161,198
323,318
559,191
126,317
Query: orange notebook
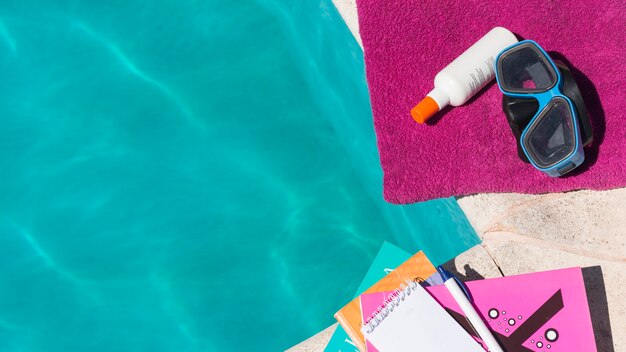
x,y
417,268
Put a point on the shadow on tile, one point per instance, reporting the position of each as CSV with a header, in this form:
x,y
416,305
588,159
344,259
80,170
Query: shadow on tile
x,y
469,275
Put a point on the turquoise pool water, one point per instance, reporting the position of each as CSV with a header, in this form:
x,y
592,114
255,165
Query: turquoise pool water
x,y
188,176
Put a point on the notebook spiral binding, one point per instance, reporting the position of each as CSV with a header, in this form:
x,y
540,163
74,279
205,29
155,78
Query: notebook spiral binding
x,y
394,300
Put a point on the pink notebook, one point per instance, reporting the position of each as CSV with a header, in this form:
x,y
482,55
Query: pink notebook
x,y
370,302
544,311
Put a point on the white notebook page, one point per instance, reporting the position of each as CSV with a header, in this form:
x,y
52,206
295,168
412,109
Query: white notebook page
x,y
420,324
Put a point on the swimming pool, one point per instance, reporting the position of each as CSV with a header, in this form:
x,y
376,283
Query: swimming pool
x,y
189,176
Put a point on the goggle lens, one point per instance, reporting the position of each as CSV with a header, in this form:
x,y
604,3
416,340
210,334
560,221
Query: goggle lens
x,y
525,69
551,137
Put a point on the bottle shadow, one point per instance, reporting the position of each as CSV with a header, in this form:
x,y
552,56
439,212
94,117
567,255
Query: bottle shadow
x,y
438,116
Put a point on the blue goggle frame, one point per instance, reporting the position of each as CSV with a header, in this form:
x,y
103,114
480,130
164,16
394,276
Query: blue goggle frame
x,y
577,156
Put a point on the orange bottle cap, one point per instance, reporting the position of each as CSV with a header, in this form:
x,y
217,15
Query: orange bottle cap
x,y
424,109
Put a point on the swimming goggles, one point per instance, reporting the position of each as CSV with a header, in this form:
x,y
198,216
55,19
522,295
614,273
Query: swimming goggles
x,y
551,140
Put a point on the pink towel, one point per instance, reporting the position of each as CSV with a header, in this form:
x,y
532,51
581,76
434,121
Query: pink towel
x,y
470,149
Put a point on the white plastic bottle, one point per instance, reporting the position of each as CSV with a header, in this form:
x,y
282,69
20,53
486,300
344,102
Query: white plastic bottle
x,y
466,75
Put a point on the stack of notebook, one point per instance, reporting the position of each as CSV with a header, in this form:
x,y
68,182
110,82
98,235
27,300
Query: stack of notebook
x,y
404,307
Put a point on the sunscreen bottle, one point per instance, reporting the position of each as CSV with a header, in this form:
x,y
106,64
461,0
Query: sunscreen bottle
x,y
466,75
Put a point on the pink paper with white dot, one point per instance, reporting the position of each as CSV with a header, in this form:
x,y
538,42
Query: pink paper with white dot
x,y
545,311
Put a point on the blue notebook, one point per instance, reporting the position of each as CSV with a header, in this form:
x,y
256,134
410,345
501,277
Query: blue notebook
x,y
387,259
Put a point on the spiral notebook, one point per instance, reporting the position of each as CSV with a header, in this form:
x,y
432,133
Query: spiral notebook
x,y
388,258
536,312
411,320
417,268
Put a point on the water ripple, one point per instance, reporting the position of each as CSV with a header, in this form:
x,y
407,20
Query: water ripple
x,y
172,307
4,325
8,38
27,236
132,68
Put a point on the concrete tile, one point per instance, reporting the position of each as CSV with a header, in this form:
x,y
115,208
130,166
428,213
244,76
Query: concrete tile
x,y
589,221
482,209
316,343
